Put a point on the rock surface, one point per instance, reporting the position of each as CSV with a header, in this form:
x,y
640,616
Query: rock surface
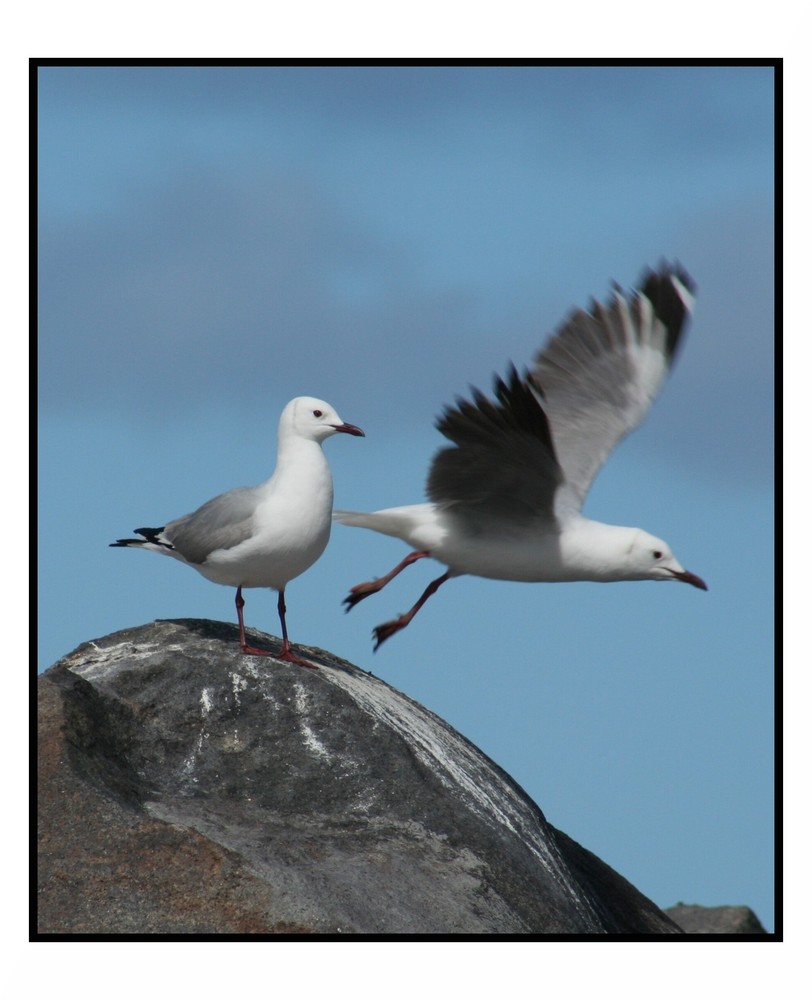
x,y
188,789
695,919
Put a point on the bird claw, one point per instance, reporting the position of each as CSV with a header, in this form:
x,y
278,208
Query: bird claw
x,y
386,631
286,655
351,600
253,651
358,593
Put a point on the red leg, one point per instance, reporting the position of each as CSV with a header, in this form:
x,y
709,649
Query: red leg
x,y
287,653
383,632
244,647
362,590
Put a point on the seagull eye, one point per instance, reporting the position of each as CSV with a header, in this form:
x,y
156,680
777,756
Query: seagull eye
x,y
317,413
657,554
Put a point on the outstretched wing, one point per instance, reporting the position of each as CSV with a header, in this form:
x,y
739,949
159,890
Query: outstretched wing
x,y
602,369
533,451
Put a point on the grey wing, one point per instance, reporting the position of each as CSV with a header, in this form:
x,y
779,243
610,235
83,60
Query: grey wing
x,y
221,523
602,369
502,466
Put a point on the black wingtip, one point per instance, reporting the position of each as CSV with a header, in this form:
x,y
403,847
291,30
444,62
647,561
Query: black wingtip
x,y
665,273
517,406
671,291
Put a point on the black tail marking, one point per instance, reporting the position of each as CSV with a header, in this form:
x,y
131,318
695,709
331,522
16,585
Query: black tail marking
x,y
150,537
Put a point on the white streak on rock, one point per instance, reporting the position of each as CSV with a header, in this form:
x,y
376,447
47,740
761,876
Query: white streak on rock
x,y
455,762
206,705
312,742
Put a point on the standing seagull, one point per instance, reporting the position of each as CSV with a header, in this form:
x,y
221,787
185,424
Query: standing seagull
x,y
506,498
263,536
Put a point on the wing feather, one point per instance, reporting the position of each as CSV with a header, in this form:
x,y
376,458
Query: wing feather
x,y
532,452
221,523
502,464
602,369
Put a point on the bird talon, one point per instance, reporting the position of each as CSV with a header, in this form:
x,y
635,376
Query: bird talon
x,y
383,632
291,657
359,592
352,599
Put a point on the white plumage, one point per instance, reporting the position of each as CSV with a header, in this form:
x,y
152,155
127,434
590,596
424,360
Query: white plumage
x,y
263,536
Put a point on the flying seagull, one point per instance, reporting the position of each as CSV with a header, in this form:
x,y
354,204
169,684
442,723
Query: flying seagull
x,y
263,536
506,497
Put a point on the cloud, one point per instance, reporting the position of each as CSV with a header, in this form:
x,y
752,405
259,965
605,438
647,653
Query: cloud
x,y
211,239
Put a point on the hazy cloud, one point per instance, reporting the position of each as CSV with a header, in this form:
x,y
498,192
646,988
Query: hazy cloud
x,y
218,237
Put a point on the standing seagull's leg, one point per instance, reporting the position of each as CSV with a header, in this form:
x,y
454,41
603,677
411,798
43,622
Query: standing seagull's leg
x,y
383,632
287,653
244,647
362,590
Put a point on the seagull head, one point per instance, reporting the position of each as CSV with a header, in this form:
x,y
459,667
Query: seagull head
x,y
314,420
650,558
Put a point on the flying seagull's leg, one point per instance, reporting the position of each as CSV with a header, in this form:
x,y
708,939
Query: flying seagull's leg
x,y
362,590
383,632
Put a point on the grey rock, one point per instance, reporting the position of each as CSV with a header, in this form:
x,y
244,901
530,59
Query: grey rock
x,y
188,789
695,919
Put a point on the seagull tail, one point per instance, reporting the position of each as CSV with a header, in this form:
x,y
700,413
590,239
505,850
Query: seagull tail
x,y
354,518
397,522
151,540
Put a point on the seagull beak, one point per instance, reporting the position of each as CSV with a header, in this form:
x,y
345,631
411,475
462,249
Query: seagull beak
x,y
691,578
348,429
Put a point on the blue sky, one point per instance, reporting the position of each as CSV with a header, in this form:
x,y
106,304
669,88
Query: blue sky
x,y
215,241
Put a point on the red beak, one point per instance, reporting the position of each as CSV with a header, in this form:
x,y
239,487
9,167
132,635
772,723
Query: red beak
x,y
691,578
349,429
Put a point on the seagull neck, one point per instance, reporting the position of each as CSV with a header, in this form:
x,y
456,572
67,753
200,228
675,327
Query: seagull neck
x,y
598,550
298,455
